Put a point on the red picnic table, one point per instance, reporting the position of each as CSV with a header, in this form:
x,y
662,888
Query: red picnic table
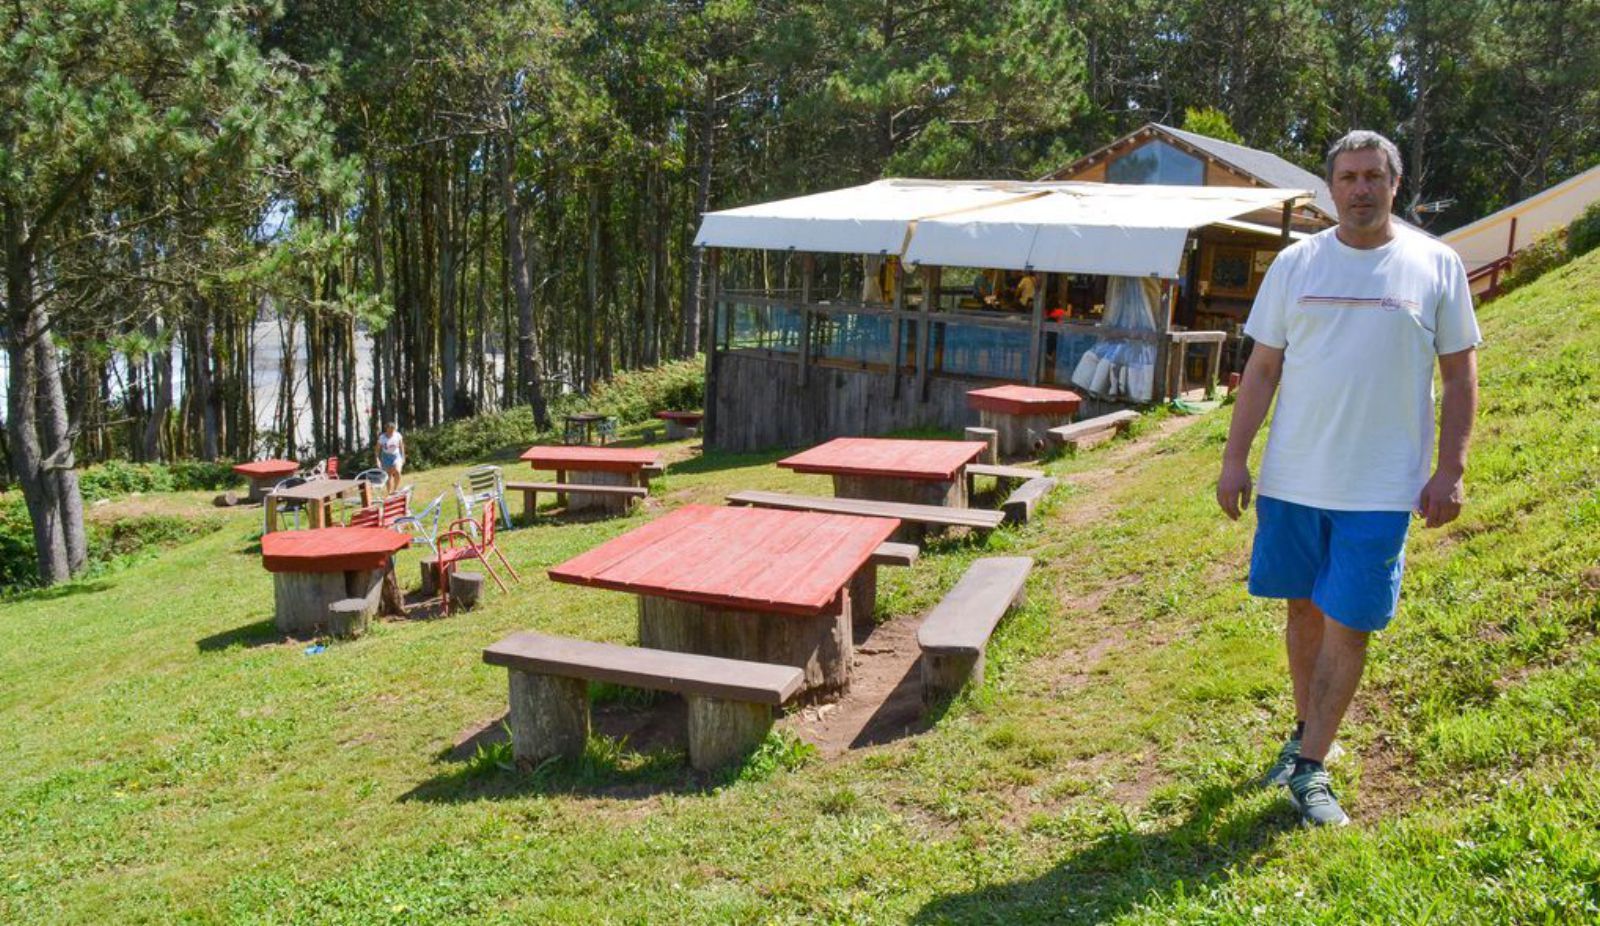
x,y
743,583
680,424
313,571
614,466
264,474
925,472
1020,415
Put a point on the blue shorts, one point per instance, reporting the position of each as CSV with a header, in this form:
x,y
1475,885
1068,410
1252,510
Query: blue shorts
x,y
1347,562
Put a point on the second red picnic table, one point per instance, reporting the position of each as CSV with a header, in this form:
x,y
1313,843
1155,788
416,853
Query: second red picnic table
x,y
1020,415
743,583
313,570
924,472
616,466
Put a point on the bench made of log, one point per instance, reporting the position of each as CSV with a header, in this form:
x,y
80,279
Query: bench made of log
x,y
954,634
976,518
1018,507
1001,474
730,700
530,491
1092,431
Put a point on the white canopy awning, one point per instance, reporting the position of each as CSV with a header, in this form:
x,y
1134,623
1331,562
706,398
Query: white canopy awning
x,y
1106,228
870,219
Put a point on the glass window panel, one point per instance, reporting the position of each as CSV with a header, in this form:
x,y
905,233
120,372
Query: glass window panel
x,y
976,350
847,336
1157,162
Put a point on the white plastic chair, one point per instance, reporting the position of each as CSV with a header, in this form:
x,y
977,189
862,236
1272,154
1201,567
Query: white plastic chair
x,y
483,483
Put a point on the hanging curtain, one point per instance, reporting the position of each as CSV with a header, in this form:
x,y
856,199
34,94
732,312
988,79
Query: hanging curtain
x,y
1119,367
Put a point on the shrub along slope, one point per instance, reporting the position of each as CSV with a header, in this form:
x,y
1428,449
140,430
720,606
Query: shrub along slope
x,y
170,759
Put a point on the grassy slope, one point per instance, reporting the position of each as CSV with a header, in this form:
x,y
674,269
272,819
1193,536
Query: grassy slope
x,y
169,759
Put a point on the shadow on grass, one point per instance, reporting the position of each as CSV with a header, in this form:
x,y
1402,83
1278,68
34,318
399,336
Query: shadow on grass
x,y
716,461
261,633
57,592
1124,868
636,749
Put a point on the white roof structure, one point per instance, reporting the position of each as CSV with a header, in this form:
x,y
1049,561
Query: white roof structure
x,y
1105,228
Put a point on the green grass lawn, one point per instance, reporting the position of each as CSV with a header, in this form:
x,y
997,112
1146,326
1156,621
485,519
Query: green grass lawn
x,y
169,758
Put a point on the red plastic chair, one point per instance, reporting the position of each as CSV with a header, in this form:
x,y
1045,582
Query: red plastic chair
x,y
467,539
384,513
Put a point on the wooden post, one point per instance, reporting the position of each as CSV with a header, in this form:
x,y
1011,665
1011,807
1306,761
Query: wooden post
x,y
807,265
899,324
989,436
721,731
270,504
364,490
1283,225
864,592
549,717
944,673
430,576
715,287
930,294
1036,336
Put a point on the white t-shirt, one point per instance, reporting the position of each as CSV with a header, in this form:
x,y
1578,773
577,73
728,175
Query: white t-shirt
x,y
1360,331
389,443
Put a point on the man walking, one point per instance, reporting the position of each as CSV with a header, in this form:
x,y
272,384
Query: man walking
x,y
1347,326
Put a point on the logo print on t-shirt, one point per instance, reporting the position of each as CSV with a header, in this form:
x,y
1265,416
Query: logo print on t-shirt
x,y
1387,303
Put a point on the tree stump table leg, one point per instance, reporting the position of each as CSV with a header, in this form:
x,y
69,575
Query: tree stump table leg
x,y
864,593
549,716
612,504
466,588
819,645
721,731
301,599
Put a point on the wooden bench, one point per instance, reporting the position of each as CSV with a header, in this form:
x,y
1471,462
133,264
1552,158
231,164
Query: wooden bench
x,y
1018,507
1092,431
730,701
530,491
864,584
954,634
932,515
652,470
1001,474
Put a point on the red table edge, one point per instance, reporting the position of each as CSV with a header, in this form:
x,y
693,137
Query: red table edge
x,y
610,466
669,416
1023,406
717,601
345,562
288,467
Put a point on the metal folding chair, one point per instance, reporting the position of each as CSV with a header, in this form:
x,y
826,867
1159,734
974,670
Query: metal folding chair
x,y
292,506
483,484
424,525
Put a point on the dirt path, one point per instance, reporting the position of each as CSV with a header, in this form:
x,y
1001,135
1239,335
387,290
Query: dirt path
x,y
885,699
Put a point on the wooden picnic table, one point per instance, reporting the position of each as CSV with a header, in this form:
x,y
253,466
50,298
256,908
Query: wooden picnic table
x,y
612,466
922,472
318,494
582,423
264,474
1020,415
742,583
680,424
313,570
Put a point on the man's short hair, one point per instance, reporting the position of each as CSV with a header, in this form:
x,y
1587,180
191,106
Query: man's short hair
x,y
1359,140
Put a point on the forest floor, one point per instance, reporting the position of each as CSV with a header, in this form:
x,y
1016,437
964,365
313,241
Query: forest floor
x,y
171,758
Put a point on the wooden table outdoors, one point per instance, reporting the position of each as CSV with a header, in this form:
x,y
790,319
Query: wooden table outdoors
x,y
1020,415
923,472
318,494
614,466
742,583
264,474
313,570
680,424
585,422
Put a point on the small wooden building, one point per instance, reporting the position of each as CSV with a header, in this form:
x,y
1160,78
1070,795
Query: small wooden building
x,y
876,308
1231,257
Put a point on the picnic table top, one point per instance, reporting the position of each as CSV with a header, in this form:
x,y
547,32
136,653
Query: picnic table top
x,y
317,490
266,469
331,549
937,460
590,459
748,559
1025,400
587,416
680,416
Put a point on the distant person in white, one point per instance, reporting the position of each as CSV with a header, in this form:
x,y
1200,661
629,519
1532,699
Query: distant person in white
x,y
1348,325
391,451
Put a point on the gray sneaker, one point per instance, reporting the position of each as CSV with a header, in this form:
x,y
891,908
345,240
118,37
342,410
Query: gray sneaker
x,y
1278,775
1311,793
